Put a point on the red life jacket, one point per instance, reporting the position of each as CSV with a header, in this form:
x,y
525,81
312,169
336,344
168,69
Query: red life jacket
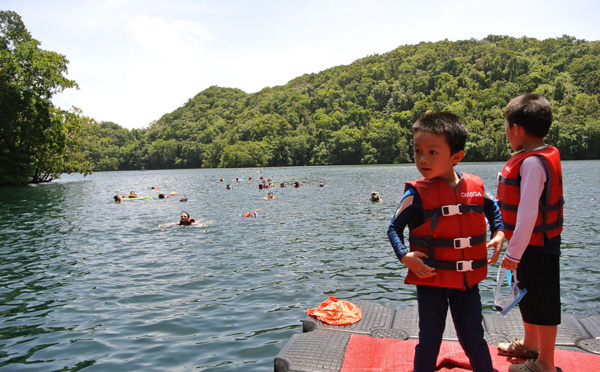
x,y
188,223
453,234
550,215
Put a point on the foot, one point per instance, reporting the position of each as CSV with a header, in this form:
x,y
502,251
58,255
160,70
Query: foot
x,y
530,366
516,349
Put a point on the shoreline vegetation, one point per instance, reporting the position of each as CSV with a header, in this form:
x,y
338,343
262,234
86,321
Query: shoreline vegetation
x,y
359,113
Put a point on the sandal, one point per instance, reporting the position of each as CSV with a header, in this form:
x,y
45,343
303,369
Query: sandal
x,y
516,349
528,366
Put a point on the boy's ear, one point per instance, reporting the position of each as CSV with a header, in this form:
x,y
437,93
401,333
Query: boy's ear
x,y
457,157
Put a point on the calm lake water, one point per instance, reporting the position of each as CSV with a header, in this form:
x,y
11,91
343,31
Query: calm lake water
x,y
87,284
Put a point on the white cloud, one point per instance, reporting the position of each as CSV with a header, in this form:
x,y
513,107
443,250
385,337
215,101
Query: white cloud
x,y
136,60
166,65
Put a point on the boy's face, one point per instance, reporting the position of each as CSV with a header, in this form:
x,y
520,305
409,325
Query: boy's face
x,y
433,157
512,136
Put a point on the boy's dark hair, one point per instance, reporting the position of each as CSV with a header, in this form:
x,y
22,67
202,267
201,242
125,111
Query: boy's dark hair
x,y
447,124
532,112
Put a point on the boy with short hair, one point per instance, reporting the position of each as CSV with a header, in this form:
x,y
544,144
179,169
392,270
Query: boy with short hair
x,y
445,212
530,196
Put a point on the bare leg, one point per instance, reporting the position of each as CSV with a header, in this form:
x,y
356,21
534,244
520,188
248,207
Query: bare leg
x,y
543,339
547,341
531,339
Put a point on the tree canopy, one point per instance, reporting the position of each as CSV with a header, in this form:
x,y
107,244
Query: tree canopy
x,y
352,114
362,113
38,141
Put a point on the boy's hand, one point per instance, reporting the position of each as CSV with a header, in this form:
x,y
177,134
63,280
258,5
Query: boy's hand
x,y
508,264
416,265
496,242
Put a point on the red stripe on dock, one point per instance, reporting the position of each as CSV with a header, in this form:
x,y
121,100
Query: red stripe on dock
x,y
368,354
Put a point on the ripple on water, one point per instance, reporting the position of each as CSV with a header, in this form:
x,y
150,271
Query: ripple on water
x,y
88,284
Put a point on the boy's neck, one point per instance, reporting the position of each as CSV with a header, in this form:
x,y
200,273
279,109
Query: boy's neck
x,y
453,180
533,144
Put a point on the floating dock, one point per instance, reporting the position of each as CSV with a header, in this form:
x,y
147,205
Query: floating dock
x,y
322,347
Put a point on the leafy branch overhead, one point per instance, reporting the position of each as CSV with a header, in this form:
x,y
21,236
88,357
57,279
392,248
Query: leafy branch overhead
x,y
38,142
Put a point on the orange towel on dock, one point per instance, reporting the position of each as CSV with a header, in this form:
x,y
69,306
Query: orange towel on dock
x,y
368,354
336,312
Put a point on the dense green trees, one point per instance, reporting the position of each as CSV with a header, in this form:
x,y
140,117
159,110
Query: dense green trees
x,y
362,113
38,142
355,114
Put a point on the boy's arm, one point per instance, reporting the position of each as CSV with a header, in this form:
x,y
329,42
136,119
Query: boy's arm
x,y
494,217
408,213
401,219
533,178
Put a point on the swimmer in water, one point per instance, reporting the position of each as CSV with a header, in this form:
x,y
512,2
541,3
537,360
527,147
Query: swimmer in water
x,y
375,197
185,219
271,196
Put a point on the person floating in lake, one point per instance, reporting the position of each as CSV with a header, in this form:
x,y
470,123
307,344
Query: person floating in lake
x,y
321,184
164,196
249,214
297,184
132,194
270,196
229,187
282,184
184,199
117,199
375,197
185,219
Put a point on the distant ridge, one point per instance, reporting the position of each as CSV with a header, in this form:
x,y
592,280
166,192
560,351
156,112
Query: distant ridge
x,y
361,113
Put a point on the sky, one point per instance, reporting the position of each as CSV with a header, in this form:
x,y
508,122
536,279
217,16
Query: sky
x,y
137,60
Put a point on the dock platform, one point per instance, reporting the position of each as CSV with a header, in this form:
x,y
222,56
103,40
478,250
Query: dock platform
x,y
322,347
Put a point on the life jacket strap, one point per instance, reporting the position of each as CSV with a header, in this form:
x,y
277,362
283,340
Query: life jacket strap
x,y
457,243
554,207
539,228
451,210
543,208
460,266
509,181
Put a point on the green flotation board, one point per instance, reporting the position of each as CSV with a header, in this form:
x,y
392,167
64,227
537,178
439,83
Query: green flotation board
x,y
138,198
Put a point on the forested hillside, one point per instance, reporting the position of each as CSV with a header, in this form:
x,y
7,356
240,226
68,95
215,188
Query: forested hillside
x,y
362,113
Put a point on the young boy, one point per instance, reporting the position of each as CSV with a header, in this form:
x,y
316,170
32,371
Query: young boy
x,y
530,197
445,212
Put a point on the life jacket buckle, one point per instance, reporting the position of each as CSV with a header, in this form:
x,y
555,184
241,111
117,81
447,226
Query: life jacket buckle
x,y
460,243
451,210
463,266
